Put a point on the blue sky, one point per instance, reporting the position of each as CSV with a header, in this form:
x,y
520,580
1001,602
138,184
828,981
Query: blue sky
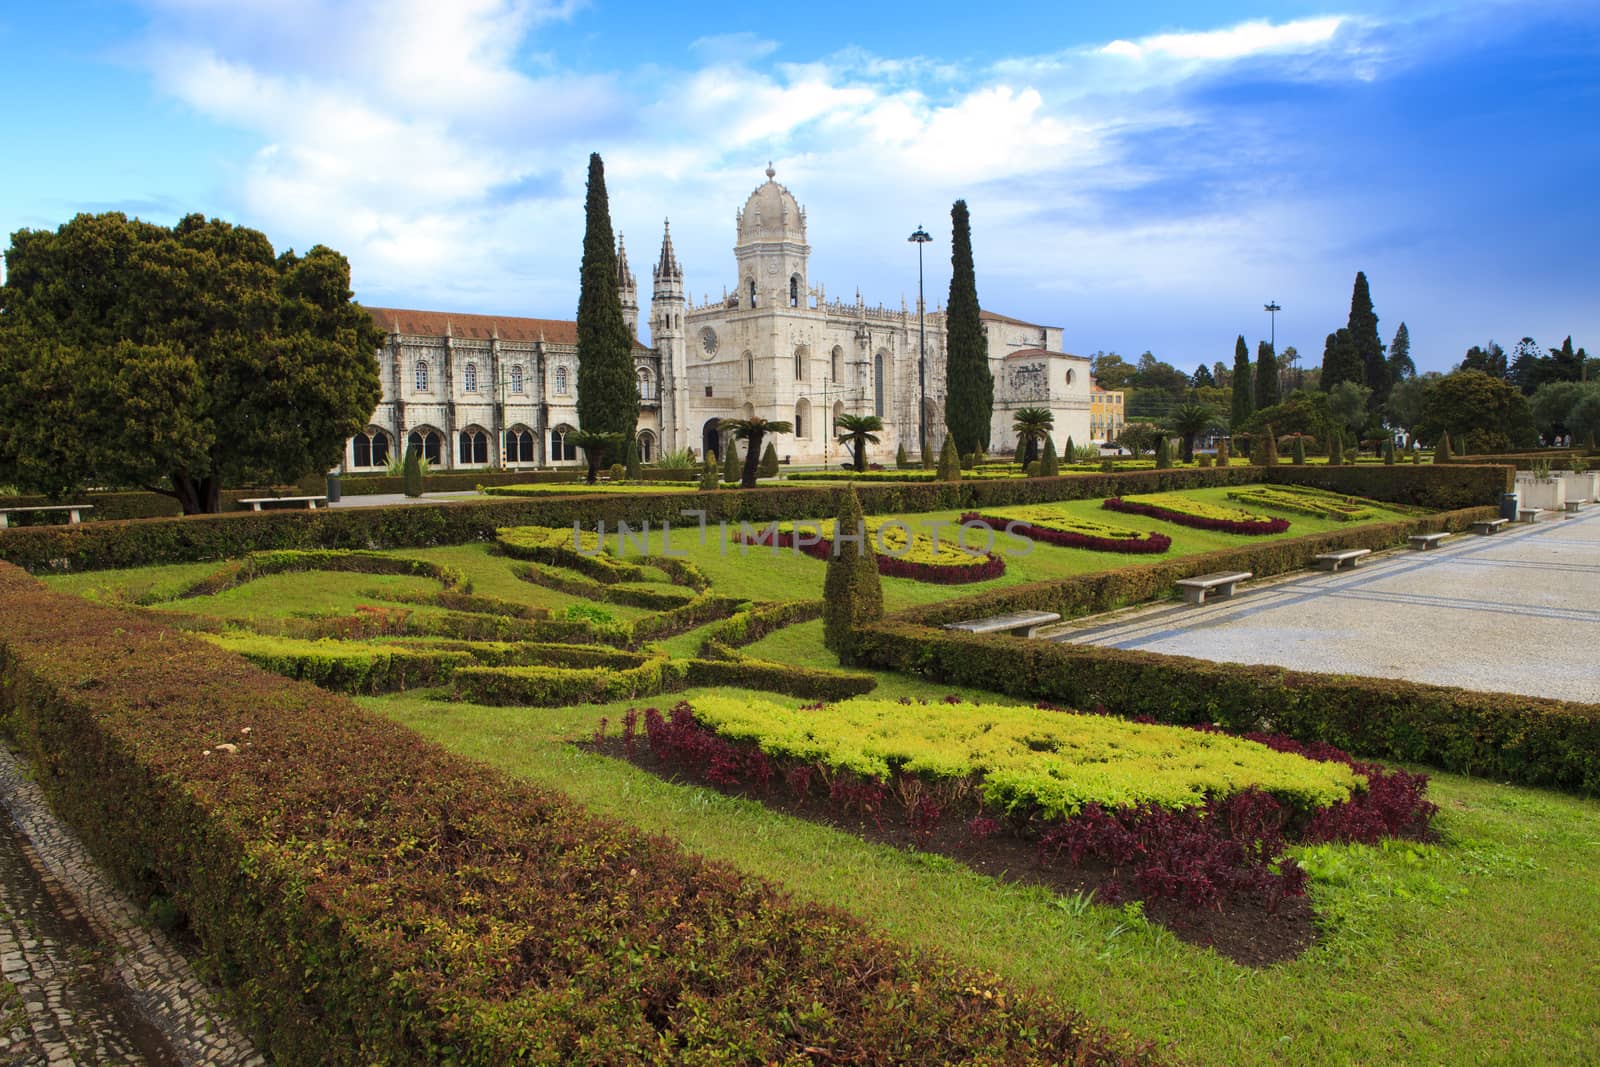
x,y
1146,179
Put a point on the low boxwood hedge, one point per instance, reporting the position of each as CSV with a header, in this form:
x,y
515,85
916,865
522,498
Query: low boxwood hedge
x,y
370,898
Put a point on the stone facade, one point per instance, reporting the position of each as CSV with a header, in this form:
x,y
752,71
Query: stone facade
x,y
775,345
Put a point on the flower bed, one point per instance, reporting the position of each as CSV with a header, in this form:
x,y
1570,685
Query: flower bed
x,y
1187,511
946,564
1053,528
1166,818
1302,500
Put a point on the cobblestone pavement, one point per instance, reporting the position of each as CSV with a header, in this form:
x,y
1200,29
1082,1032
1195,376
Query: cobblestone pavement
x,y
1507,613
82,979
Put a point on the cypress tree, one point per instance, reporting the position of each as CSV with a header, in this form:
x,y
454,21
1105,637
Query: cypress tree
x,y
901,460
949,461
969,386
733,469
1400,365
1368,347
769,462
1050,464
1268,391
1299,451
630,460
412,472
608,392
1243,398
851,591
1441,451
1340,360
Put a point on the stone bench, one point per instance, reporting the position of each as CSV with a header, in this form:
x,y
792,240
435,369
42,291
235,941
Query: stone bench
x,y
1529,515
1196,588
1332,561
74,512
1022,623
1488,526
256,502
1574,505
1423,542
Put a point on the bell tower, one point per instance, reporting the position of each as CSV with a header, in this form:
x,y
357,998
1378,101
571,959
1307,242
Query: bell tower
x,y
772,249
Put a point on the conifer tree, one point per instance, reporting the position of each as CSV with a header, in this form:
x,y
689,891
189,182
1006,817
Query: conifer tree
x,y
969,386
1335,449
1441,451
949,461
901,460
1340,361
1070,453
1400,365
1050,464
1268,391
851,591
1368,347
412,472
1243,387
708,472
733,469
630,460
769,462
1163,454
1269,449
608,391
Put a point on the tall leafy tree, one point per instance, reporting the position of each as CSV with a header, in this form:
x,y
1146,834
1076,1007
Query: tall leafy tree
x,y
1340,361
969,386
1243,387
1363,328
608,392
1481,413
1567,365
1111,371
1401,366
1491,360
179,359
1268,389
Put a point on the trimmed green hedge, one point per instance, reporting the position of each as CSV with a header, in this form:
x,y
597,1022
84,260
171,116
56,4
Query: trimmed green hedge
x,y
751,625
805,682
99,545
370,898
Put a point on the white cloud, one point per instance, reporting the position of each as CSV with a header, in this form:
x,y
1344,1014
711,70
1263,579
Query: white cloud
x,y
1235,42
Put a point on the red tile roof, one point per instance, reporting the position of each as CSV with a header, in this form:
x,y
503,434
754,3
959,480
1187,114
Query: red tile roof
x,y
996,317
1040,352
481,327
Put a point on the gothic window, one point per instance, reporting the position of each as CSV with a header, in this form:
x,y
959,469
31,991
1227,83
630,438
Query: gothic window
x,y
422,375
877,385
794,290
516,377
562,450
838,364
429,443
647,388
561,381
519,445
752,292
474,446
371,448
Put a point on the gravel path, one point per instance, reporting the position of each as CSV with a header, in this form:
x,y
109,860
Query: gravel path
x,y
1514,612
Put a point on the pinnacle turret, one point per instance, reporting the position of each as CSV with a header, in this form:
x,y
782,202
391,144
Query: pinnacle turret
x,y
668,267
627,289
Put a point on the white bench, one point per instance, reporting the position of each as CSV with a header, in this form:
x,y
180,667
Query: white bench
x,y
1196,588
1022,623
255,502
1423,542
1488,526
1574,505
74,512
1529,515
1332,561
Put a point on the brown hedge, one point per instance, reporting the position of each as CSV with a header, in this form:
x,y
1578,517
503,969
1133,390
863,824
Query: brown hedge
x,y
100,545
370,898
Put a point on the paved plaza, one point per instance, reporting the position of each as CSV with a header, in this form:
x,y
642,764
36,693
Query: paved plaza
x,y
1513,612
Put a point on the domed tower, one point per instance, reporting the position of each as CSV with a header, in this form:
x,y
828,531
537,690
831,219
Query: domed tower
x,y
667,306
772,248
628,289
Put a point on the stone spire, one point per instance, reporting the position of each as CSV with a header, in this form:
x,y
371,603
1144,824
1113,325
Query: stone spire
x,y
625,278
627,289
668,268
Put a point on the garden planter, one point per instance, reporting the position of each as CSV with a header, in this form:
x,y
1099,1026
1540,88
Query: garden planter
x,y
1584,486
1549,494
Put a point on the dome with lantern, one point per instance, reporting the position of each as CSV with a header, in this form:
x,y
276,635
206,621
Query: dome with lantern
x,y
771,214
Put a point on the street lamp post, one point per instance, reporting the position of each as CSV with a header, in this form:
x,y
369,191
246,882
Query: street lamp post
x,y
1272,310
921,238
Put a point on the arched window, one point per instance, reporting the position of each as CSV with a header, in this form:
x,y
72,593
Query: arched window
x,y
519,445
422,375
429,443
800,361
838,364
370,448
647,446
474,446
562,450
516,377
469,378
877,385
802,419
752,292
647,385
1072,376
561,381
749,368
794,290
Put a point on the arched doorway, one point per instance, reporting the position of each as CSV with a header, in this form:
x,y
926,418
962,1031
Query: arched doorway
x,y
647,446
710,439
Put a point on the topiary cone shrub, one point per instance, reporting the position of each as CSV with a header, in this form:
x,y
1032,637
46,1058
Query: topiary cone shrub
x,y
852,592
1269,449
630,460
1335,449
949,461
1388,452
769,462
1163,455
1441,451
733,470
901,460
413,471
1222,453
1070,453
708,472
1050,464
1299,451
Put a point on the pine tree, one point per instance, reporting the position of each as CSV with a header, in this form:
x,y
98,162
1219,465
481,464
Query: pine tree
x,y
949,461
1269,450
901,460
733,468
1202,377
1050,463
1368,347
769,462
851,591
1243,392
608,392
412,472
969,386
1268,391
1400,365
1299,451
1441,451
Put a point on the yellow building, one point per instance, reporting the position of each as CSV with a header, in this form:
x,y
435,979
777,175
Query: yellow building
x,y
1106,414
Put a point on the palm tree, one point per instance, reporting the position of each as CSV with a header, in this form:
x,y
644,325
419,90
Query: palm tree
x,y
856,432
596,446
752,431
1033,425
1188,421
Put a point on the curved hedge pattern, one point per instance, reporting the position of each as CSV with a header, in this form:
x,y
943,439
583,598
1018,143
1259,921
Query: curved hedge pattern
x,y
1255,526
1150,543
